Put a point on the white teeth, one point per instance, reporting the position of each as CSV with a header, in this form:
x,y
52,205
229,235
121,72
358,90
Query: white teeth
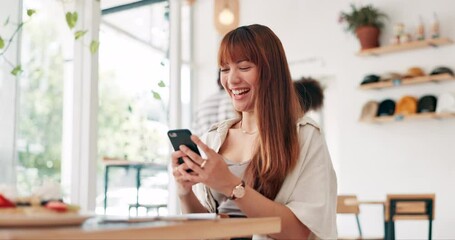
x,y
239,91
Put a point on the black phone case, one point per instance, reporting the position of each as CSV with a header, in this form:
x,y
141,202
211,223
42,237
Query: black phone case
x,y
182,137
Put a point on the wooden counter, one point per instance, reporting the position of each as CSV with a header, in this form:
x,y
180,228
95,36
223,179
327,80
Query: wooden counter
x,y
223,228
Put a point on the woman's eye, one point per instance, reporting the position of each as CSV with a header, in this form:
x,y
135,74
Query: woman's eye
x,y
225,70
244,68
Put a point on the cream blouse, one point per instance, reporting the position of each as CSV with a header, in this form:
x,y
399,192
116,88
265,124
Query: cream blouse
x,y
310,189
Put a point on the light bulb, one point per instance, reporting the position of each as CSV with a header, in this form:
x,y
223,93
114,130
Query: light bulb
x,y
226,17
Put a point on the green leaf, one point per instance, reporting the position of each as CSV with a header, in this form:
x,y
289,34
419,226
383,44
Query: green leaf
x,y
161,84
156,95
30,12
17,70
79,34
94,45
71,19
363,16
2,42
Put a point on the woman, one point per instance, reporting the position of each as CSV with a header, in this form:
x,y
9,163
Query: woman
x,y
269,162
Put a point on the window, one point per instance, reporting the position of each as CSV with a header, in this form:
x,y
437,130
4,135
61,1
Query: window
x,y
45,57
133,69
133,123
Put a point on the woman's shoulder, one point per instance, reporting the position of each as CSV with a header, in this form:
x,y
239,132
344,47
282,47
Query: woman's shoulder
x,y
307,122
223,125
219,130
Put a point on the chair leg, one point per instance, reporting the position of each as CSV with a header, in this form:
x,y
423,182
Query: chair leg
x,y
386,230
392,231
389,230
358,225
429,229
106,184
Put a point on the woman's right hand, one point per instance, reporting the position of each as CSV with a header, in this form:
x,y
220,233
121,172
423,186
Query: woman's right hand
x,y
184,186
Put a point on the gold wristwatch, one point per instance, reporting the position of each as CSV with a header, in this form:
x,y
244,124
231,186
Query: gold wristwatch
x,y
238,191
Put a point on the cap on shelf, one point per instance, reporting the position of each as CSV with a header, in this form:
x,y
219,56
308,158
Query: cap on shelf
x,y
414,72
441,70
369,110
407,105
390,76
386,108
372,78
446,103
427,103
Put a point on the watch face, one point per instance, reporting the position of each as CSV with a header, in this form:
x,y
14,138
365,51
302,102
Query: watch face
x,y
239,191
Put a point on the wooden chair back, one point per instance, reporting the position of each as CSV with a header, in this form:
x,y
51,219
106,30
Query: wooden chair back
x,y
410,206
348,204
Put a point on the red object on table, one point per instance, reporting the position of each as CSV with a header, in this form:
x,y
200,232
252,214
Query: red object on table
x,y
5,203
57,206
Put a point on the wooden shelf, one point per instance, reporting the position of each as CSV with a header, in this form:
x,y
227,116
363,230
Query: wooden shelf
x,y
405,46
399,118
408,81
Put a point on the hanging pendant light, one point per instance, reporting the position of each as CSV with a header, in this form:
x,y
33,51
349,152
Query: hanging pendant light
x,y
226,15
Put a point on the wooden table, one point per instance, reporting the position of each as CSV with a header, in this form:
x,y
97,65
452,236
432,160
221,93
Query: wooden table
x,y
223,228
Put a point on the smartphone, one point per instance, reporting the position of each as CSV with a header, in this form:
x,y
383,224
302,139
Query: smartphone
x,y
182,137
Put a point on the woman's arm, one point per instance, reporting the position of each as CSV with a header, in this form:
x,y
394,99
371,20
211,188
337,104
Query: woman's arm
x,y
254,204
190,204
188,200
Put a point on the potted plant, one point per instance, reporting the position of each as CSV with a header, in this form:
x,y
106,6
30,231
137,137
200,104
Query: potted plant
x,y
365,22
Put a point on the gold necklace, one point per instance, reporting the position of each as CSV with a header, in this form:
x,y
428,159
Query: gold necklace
x,y
244,131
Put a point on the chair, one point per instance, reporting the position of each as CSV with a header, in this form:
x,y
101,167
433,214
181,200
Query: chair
x,y
148,207
139,166
408,207
349,204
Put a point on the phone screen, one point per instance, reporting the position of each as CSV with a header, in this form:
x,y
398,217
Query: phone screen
x,y
182,137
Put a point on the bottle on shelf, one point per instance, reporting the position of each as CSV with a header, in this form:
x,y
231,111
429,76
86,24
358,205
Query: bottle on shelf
x,y
420,33
435,27
398,30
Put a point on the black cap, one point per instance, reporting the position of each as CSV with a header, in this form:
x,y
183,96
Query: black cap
x,y
441,70
372,78
386,108
427,104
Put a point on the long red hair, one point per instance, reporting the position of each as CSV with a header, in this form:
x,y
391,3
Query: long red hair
x,y
277,107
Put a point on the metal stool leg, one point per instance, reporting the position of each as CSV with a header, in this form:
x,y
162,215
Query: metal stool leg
x,y
392,231
429,207
106,179
138,185
358,225
386,230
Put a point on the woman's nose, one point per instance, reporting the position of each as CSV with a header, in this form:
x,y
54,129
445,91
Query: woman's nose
x,y
233,76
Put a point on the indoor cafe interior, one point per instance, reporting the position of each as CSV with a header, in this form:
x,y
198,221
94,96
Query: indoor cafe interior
x,y
90,88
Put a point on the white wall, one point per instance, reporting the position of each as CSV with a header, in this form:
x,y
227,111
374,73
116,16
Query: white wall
x,y
371,160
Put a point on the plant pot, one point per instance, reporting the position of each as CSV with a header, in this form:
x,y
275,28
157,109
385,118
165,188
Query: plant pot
x,y
368,36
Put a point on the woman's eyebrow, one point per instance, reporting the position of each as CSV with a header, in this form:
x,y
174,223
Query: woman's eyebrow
x,y
242,60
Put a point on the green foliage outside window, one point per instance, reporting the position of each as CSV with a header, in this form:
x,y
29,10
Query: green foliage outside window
x,y
123,131
39,133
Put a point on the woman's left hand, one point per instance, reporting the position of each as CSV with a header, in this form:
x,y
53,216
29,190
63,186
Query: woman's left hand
x,y
213,171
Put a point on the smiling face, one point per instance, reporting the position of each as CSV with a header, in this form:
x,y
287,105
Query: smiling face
x,y
240,80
